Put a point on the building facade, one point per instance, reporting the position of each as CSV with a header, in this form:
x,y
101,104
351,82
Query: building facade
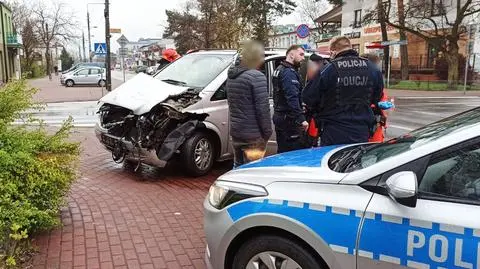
x,y
284,36
365,38
10,46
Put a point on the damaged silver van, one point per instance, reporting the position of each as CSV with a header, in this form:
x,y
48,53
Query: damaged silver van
x,y
181,111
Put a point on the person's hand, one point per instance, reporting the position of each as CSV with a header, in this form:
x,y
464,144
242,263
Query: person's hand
x,y
305,125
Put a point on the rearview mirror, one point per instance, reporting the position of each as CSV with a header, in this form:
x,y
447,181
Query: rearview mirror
x,y
403,188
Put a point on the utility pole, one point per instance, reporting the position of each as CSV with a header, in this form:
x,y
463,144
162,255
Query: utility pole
x,y
83,41
89,40
107,41
80,53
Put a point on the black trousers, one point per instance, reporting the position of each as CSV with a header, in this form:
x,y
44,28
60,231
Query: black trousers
x,y
290,135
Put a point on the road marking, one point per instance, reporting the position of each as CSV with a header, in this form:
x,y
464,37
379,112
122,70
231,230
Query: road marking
x,y
400,127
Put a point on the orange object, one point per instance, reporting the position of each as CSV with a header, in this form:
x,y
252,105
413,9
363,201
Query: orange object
x,y
170,55
312,129
379,135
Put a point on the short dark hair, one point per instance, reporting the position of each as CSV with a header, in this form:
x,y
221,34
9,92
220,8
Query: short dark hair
x,y
294,47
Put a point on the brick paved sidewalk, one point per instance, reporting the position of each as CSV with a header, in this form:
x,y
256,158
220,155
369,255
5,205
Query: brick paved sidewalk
x,y
117,218
53,91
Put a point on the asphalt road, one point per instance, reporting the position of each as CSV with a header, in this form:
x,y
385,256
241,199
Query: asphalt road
x,y
414,112
410,112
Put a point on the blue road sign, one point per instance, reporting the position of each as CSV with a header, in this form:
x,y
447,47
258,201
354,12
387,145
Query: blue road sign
x,y
100,48
303,31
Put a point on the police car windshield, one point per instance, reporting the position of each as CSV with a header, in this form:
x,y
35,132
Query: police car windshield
x,y
358,157
195,70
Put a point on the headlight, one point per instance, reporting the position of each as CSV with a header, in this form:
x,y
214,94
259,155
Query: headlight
x,y
224,193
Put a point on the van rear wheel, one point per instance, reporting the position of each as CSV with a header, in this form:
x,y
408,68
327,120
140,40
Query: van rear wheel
x,y
198,154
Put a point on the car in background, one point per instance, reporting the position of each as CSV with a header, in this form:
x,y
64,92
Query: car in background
x,y
141,69
410,202
88,75
80,65
182,111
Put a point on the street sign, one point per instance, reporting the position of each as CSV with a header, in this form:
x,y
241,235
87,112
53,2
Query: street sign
x,y
100,48
123,52
394,42
303,31
122,41
115,30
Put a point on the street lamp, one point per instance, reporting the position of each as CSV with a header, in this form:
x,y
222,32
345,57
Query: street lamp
x,y
88,25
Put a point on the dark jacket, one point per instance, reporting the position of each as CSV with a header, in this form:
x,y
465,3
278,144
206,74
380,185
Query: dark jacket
x,y
342,124
288,92
247,95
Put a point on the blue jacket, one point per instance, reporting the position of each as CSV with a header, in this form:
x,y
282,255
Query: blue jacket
x,y
287,93
326,81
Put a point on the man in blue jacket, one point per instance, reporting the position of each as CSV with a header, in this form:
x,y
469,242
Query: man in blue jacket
x,y
342,94
288,117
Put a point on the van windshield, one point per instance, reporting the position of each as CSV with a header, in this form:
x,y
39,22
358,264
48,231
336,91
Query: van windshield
x,y
195,70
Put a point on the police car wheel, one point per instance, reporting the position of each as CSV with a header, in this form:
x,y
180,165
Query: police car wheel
x,y
69,83
273,252
198,154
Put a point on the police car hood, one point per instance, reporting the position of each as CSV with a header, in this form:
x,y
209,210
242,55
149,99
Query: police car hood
x,y
308,165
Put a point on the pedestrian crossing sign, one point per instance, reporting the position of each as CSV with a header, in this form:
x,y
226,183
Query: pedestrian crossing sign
x,y
100,48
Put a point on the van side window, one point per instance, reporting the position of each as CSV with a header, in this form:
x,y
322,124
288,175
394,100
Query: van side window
x,y
221,93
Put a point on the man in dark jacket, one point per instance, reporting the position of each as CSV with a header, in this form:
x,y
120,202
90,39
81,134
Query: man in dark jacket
x,y
342,95
247,94
290,123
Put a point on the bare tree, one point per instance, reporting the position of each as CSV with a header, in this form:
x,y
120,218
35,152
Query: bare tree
x,y
21,12
440,24
310,10
54,23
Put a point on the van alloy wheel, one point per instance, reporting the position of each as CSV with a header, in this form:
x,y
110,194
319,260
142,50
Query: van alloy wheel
x,y
203,153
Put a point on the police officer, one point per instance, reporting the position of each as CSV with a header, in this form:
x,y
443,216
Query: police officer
x,y
342,95
288,118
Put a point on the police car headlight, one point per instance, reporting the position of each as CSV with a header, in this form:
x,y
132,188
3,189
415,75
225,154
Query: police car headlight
x,y
223,194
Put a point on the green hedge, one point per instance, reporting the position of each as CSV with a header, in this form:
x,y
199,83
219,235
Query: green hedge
x,y
37,167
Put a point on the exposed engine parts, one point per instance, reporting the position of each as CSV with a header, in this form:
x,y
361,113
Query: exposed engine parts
x,y
150,130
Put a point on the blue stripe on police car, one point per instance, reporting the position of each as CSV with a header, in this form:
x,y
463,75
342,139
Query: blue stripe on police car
x,y
384,238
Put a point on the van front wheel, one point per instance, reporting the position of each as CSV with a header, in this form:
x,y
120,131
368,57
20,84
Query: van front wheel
x,y
198,154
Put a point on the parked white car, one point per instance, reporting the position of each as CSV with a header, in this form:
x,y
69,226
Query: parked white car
x,y
88,75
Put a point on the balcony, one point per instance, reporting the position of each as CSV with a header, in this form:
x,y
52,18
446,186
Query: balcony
x,y
13,40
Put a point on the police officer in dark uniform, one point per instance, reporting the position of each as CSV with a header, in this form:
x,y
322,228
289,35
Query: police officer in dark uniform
x,y
288,118
342,95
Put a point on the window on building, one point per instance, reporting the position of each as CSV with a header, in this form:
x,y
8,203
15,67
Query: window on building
x,y
437,8
357,23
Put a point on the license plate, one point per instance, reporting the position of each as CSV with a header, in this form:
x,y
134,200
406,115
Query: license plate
x,y
108,141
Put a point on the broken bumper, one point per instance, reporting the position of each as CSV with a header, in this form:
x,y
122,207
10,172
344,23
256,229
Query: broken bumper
x,y
132,153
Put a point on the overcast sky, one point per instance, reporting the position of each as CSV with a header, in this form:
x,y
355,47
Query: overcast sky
x,y
138,18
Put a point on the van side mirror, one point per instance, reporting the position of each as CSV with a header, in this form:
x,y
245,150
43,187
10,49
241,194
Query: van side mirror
x,y
403,188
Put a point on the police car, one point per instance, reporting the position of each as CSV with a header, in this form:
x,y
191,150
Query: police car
x,y
413,201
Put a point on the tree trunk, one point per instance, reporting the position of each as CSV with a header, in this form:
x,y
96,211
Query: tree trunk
x,y
47,57
383,26
452,59
403,36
